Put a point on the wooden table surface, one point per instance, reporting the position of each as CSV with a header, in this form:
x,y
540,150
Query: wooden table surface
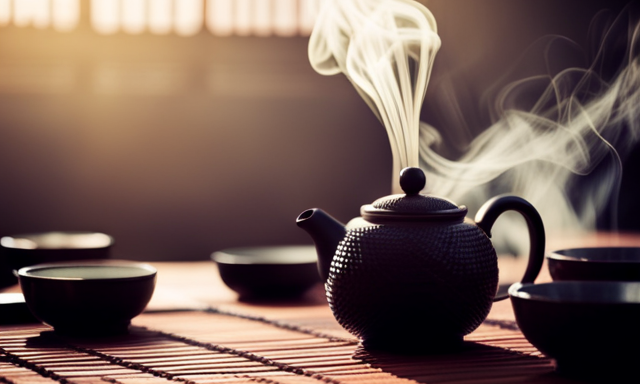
x,y
195,330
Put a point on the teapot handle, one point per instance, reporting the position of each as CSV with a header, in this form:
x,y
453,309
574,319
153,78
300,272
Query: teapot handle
x,y
489,212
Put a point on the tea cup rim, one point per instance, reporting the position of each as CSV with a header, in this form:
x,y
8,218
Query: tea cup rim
x,y
26,272
519,291
14,241
557,255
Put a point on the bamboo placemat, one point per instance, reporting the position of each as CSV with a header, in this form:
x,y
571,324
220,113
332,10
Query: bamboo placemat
x,y
218,347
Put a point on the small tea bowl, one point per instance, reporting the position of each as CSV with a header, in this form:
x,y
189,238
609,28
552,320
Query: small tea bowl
x,y
597,263
589,327
88,298
268,272
46,247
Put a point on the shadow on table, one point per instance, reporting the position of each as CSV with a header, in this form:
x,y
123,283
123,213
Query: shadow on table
x,y
312,297
51,340
474,363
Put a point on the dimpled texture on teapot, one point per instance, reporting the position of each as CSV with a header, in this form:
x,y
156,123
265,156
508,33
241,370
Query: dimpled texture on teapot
x,y
419,203
419,283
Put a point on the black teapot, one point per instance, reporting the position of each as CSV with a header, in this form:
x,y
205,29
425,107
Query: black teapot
x,y
413,272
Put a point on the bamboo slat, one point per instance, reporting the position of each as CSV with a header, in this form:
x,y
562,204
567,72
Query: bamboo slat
x,y
216,347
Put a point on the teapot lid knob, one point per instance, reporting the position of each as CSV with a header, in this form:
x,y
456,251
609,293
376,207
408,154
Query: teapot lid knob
x,y
413,207
412,180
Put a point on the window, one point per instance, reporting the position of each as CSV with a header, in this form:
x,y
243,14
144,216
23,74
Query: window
x,y
182,17
62,15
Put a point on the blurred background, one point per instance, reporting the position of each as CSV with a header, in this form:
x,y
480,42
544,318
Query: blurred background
x,y
182,127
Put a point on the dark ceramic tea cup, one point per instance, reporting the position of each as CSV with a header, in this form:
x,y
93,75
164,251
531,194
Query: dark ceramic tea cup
x,y
19,251
596,263
88,298
268,272
589,327
46,247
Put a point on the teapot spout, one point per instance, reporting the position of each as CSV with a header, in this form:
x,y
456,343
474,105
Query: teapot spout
x,y
326,233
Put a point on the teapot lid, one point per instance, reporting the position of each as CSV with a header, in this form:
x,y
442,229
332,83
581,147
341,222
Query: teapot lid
x,y
412,206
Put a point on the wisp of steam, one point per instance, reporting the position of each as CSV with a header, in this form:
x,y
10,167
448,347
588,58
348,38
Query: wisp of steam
x,y
386,49
563,152
546,151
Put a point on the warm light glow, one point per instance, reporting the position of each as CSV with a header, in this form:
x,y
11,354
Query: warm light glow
x,y
285,18
41,13
262,17
160,16
133,16
220,17
242,17
23,12
188,16
307,13
183,17
105,16
5,12
66,14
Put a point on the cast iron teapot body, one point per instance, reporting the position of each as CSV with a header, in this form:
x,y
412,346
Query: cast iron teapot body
x,y
413,272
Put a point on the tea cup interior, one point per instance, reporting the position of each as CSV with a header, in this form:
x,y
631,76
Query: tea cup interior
x,y
281,255
586,293
89,272
601,254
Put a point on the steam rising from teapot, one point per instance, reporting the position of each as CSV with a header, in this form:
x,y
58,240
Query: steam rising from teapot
x,y
386,49
581,121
